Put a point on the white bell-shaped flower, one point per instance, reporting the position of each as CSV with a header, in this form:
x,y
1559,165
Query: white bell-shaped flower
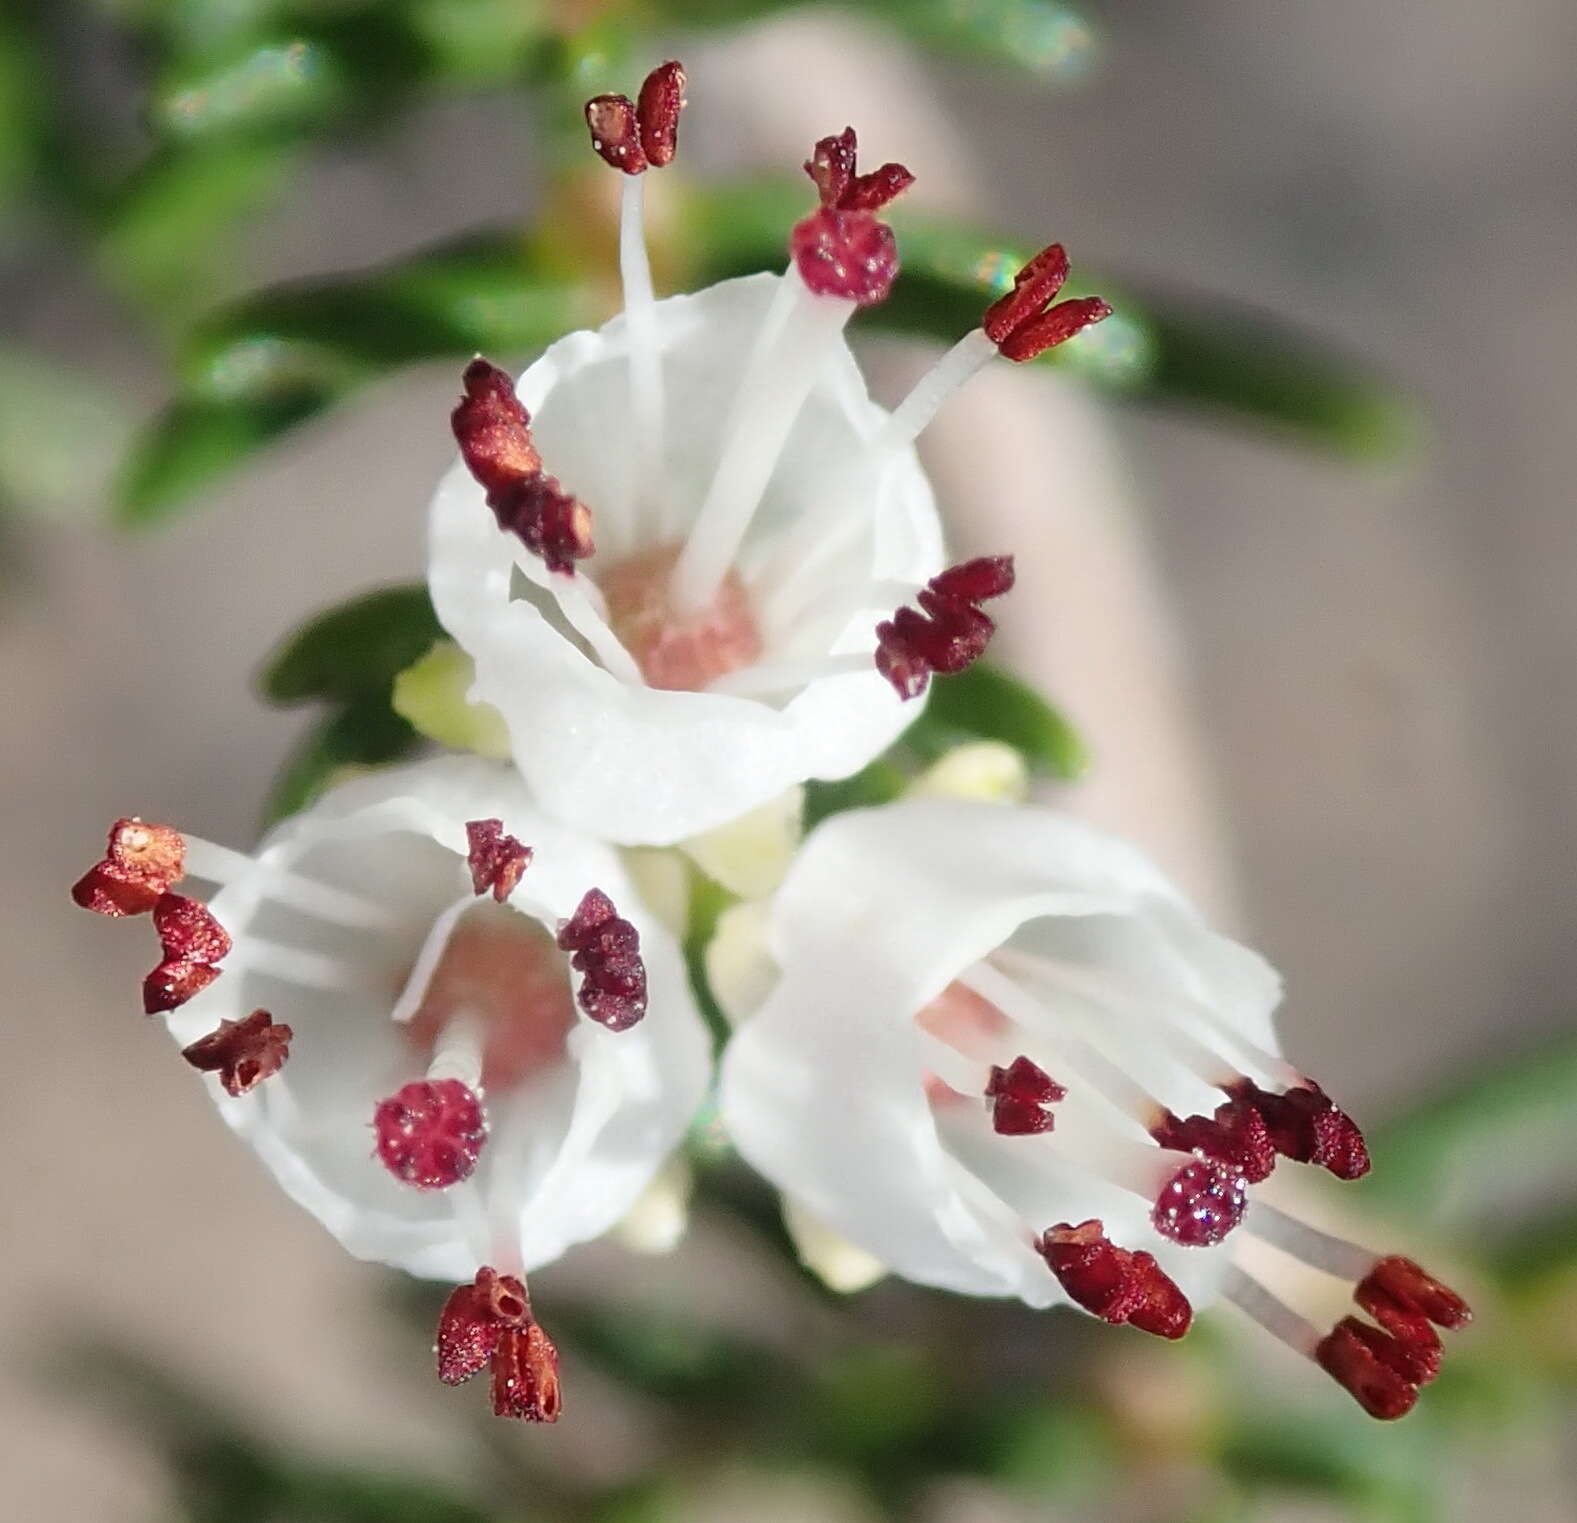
x,y
1004,1056
446,1023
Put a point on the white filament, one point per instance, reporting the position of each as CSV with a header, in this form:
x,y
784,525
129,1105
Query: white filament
x,y
1319,1250
647,400
965,360
297,965
219,864
1276,1317
788,353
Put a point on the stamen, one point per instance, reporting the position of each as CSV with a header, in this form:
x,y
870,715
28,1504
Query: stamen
x,y
1334,1255
965,360
1277,1318
219,864
492,428
490,1322
1021,1097
141,862
607,951
1306,1125
842,250
497,861
648,398
243,1053
1113,1284
430,1133
788,354
950,633
192,942
1023,324
634,137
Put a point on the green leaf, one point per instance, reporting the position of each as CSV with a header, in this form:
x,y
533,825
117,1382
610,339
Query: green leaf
x,y
1041,37
276,85
354,650
363,733
985,702
879,782
1201,353
261,367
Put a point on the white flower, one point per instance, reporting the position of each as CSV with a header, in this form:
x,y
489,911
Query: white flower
x,y
1005,1057
416,945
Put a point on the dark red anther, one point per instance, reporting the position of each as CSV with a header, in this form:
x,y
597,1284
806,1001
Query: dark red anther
x,y
1397,1288
430,1133
1113,1284
607,951
1023,323
657,113
1306,1125
526,1376
473,1321
497,861
489,1322
842,250
950,632
634,136
1237,1135
141,862
1021,1096
192,942
493,430
243,1053
1201,1203
1360,1359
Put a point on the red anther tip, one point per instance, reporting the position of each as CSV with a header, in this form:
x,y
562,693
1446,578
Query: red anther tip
x,y
526,1376
497,861
832,166
1021,1097
1201,1203
950,633
607,951
174,982
474,1320
657,113
1306,1125
187,929
1397,1283
1113,1284
493,431
1237,1135
243,1053
1023,324
430,1133
1348,1354
140,862
846,254
616,133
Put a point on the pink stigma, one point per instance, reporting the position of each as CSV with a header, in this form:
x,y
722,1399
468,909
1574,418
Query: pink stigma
x,y
243,1053
430,1133
1201,1203
607,951
950,632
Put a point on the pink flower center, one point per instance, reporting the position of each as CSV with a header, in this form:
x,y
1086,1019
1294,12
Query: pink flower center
x,y
675,652
501,973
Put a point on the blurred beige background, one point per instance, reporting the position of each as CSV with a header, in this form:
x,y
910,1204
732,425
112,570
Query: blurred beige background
x,y
1338,700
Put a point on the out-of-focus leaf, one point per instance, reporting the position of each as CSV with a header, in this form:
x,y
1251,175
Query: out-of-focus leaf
x,y
708,900
363,733
985,702
1542,1248
1043,37
476,43
1193,352
1480,1149
60,434
276,85
260,367
880,782
191,445
1049,1448
21,109
356,649
165,239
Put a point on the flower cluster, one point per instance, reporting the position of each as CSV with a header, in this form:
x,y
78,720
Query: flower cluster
x,y
983,1046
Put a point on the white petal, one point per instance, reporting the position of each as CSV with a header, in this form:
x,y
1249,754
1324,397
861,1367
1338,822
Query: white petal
x,y
839,1264
647,767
